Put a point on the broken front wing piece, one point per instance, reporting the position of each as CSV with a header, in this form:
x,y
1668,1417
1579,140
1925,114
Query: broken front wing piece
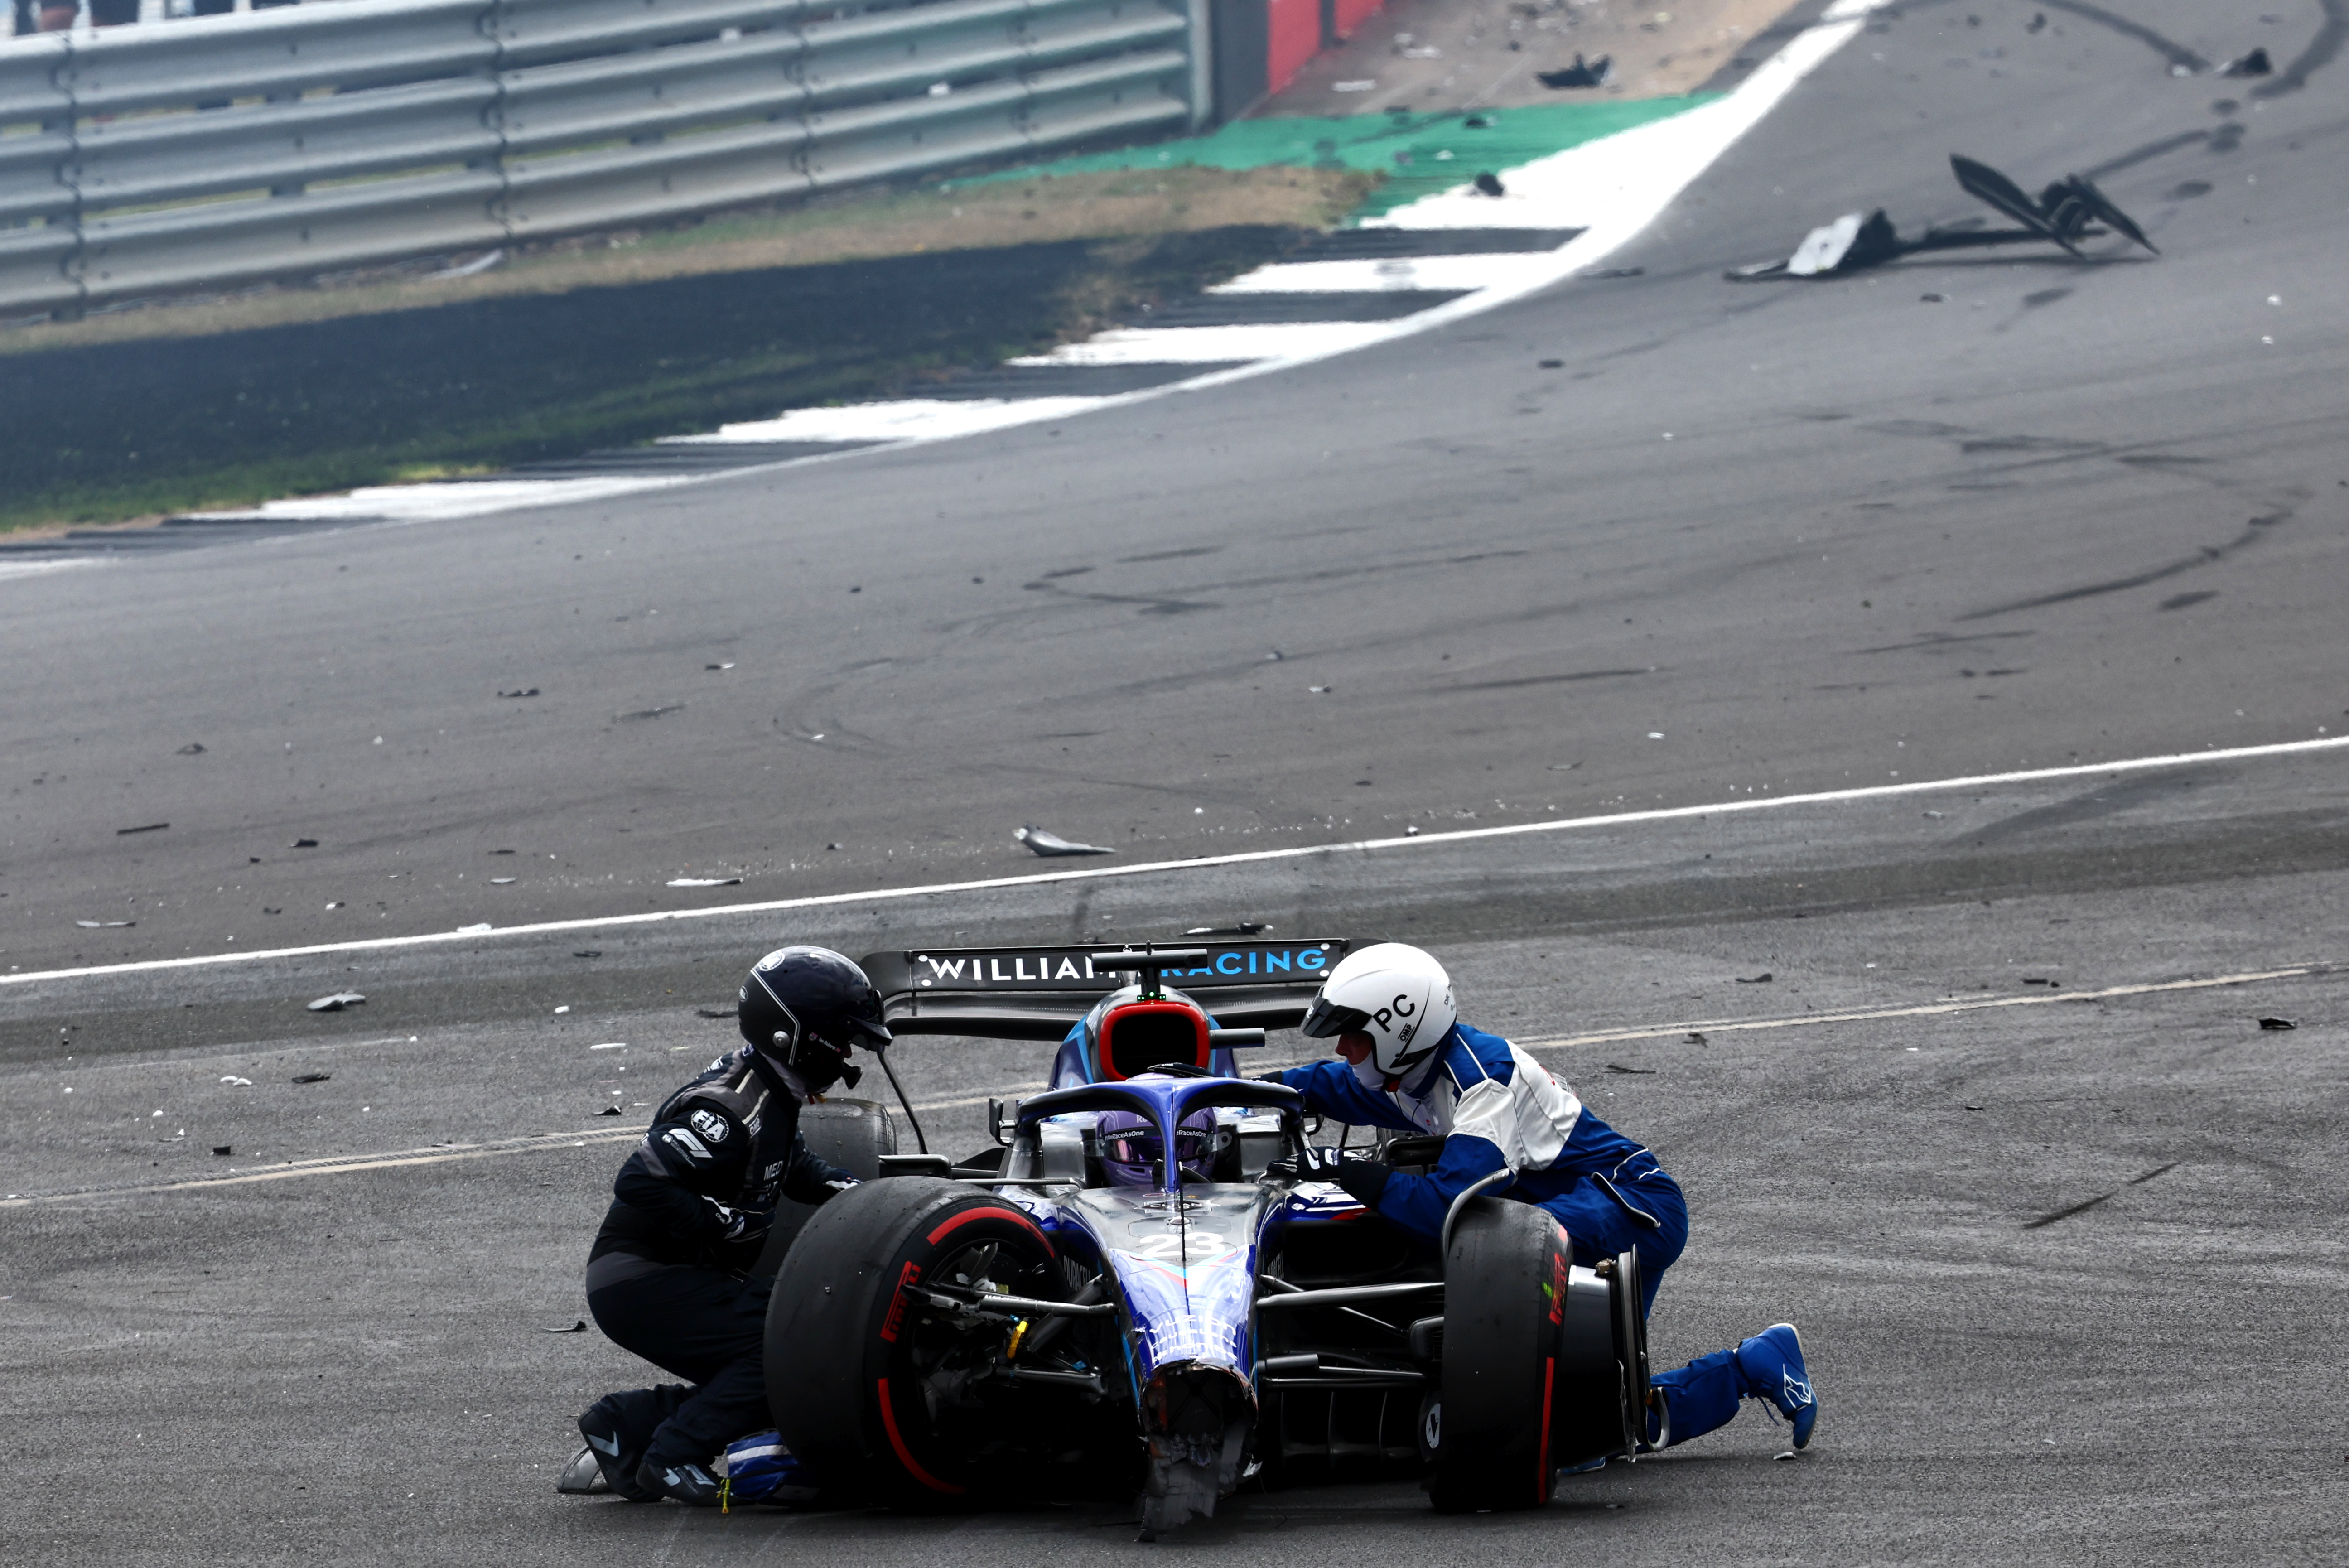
x,y
2063,214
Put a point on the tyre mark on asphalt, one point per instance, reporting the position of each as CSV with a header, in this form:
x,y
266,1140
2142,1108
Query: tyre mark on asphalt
x,y
535,1143
2046,1220
2319,54
2207,555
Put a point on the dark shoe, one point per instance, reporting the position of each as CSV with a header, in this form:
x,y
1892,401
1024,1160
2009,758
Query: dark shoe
x,y
619,1453
688,1483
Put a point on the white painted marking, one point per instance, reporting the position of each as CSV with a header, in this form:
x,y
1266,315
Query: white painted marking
x,y
1922,1010
1394,276
339,1165
1613,188
912,419
430,502
1747,805
38,568
1212,345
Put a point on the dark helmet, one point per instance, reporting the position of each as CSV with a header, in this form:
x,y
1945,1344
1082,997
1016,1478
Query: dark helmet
x,y
1131,1151
803,1008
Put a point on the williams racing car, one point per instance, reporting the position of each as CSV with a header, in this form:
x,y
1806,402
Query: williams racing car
x,y
1138,1287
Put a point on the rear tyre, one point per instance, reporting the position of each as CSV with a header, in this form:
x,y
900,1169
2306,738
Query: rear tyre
x,y
851,1133
864,1377
1504,1289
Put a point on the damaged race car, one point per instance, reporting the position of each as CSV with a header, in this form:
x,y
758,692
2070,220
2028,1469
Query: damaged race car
x,y
1141,1288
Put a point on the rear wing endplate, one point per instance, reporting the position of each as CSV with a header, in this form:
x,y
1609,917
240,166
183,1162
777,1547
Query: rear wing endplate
x,y
1038,993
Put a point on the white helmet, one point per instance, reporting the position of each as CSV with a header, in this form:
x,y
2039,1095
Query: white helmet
x,y
1397,995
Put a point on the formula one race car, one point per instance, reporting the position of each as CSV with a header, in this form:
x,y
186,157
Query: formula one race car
x,y
1132,1290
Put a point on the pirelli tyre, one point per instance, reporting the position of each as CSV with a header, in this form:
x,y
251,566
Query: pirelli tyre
x,y
1505,1286
851,1133
867,1381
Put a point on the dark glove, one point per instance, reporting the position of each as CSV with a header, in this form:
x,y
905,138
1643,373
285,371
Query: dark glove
x,y
1273,1078
1365,1180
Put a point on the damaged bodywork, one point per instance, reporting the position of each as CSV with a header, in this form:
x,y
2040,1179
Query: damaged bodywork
x,y
2065,213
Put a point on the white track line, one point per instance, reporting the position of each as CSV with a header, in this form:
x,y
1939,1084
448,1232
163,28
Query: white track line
x,y
1395,275
1152,867
908,420
340,1165
1611,188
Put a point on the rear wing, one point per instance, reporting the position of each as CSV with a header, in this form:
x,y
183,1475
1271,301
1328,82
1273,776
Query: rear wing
x,y
1038,993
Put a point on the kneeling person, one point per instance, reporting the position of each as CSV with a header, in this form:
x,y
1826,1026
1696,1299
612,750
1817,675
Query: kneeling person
x,y
1412,1065
669,1275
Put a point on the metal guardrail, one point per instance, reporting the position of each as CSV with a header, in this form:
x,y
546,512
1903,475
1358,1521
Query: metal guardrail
x,y
215,151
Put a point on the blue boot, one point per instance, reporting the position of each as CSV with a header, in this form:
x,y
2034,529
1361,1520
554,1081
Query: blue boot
x,y
1771,1364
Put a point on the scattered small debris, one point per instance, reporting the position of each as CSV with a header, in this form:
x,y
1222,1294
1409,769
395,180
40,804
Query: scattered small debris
x,y
1236,928
578,1327
2038,21
1619,1067
610,1045
588,952
1581,74
1320,691
1490,184
2049,983
503,881
2272,1024
224,1150
524,691
1762,979
1933,299
661,711
562,1010
501,852
718,667
1789,1454
831,846
335,906
103,925
1412,831
1044,842
143,827
2255,64
715,1012
1366,84
1598,273
1552,365
336,1003
700,881
232,1078
192,749
1692,1037
266,910
1275,656
1973,1108
1936,816
1477,122
609,1111
303,844
312,1077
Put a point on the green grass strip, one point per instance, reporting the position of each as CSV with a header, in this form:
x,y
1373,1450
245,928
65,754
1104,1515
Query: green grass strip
x,y
1421,155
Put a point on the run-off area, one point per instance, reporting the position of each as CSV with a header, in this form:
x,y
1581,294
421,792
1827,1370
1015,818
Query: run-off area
x,y
285,1363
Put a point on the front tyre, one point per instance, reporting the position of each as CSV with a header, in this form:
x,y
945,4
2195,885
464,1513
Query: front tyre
x,y
869,1384
1504,1287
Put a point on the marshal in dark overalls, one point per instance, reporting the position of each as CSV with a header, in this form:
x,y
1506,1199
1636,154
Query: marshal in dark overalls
x,y
670,1276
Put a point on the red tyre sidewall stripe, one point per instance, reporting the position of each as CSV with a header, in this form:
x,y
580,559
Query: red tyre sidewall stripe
x,y
1542,1479
987,1212
904,1454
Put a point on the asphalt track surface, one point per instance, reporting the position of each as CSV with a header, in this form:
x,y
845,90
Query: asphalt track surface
x,y
2069,513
